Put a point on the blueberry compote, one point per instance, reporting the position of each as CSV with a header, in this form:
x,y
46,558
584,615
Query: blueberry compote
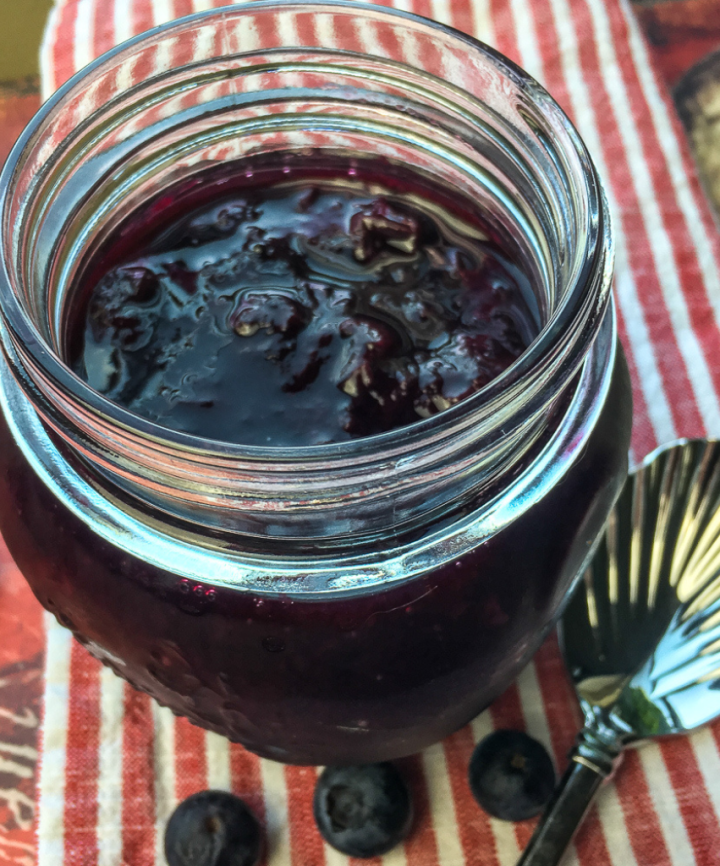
x,y
295,309
305,310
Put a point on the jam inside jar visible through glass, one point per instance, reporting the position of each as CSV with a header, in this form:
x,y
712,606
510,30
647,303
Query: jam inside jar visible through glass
x,y
214,267
292,306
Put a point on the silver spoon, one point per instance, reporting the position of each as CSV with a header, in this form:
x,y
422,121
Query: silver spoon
x,y
641,636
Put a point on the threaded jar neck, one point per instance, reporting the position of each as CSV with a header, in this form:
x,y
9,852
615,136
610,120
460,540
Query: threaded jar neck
x,y
336,80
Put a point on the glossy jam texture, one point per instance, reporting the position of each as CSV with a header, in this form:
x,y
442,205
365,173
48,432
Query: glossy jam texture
x,y
301,311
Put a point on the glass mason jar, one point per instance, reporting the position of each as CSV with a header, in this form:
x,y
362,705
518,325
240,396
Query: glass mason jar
x,y
349,602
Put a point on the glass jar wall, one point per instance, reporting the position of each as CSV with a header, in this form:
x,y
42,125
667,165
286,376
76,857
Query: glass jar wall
x,y
346,602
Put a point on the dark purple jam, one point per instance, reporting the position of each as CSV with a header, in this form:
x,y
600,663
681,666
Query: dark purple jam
x,y
302,312
273,309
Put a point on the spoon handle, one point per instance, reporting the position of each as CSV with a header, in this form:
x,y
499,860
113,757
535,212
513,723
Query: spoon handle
x,y
566,810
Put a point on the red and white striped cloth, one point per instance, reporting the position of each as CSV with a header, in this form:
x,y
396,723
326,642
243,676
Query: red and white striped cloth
x,y
114,764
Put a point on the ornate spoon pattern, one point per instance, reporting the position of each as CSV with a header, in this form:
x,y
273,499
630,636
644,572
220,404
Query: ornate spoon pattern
x,y
641,636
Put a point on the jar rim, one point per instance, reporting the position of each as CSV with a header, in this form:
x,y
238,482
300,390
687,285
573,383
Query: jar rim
x,y
37,354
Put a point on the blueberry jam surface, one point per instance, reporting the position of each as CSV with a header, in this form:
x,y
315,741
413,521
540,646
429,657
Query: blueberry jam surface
x,y
297,311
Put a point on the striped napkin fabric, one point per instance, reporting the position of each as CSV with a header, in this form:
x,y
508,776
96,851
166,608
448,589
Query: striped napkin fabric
x,y
114,764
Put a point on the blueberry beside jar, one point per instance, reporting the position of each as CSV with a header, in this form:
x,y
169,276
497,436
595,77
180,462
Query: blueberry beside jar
x,y
345,601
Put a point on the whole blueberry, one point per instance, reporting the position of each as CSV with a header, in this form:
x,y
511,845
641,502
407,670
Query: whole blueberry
x,y
511,775
213,828
362,811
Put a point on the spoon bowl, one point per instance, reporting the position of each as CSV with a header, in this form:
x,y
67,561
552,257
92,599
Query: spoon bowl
x,y
641,635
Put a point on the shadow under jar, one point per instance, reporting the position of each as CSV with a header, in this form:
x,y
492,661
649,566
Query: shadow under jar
x,y
344,602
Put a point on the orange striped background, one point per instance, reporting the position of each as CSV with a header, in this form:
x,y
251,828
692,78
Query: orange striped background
x,y
114,764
